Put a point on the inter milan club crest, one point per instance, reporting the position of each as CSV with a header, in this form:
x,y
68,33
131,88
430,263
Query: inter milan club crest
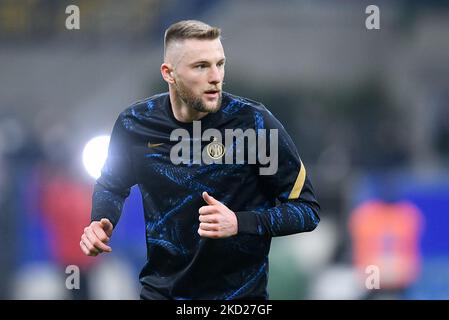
x,y
215,149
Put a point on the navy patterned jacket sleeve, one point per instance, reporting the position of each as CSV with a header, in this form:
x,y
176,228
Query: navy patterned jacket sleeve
x,y
297,209
117,177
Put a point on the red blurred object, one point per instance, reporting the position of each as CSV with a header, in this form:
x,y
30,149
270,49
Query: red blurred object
x,y
386,235
66,204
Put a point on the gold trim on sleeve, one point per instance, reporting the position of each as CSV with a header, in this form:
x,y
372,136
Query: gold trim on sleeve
x,y
299,183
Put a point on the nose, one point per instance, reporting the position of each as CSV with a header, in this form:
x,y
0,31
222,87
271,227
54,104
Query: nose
x,y
215,75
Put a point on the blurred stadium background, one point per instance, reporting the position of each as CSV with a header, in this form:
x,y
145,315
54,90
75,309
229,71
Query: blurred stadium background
x,y
368,110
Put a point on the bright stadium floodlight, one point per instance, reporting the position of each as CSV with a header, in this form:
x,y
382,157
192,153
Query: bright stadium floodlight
x,y
94,155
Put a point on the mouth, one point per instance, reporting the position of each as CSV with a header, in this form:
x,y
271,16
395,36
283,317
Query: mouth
x,y
212,93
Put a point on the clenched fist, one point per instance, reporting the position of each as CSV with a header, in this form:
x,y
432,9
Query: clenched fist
x,y
216,220
96,236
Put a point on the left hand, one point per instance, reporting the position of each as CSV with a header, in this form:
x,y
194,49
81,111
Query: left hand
x,y
216,220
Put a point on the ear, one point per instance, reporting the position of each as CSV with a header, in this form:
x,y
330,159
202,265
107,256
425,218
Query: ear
x,y
167,73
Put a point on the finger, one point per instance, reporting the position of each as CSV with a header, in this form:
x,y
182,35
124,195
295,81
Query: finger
x,y
207,210
208,234
107,226
85,250
209,199
209,218
92,238
100,233
96,241
208,226
90,247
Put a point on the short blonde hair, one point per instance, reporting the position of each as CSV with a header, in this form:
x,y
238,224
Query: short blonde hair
x,y
190,29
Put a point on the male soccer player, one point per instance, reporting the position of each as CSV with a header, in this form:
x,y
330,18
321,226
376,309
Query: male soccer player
x,y
209,215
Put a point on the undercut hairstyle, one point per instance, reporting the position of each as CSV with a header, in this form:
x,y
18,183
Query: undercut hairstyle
x,y
189,29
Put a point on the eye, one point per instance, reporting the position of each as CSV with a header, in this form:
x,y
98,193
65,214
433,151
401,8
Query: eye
x,y
200,66
220,64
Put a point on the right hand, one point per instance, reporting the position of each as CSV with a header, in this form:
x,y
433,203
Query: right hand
x,y
96,236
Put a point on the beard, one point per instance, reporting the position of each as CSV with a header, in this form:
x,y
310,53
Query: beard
x,y
191,100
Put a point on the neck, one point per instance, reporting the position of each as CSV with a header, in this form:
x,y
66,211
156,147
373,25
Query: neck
x,y
182,112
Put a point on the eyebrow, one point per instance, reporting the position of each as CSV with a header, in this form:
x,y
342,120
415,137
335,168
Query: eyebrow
x,y
206,62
